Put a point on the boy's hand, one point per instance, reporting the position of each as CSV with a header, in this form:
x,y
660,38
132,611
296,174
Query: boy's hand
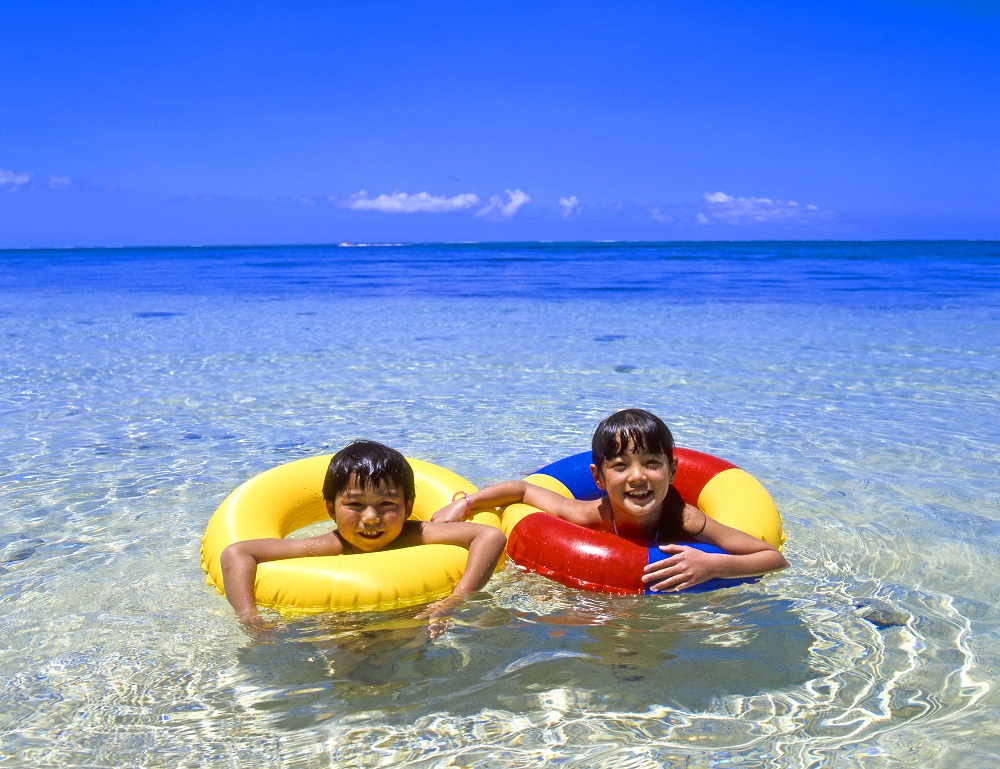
x,y
686,567
438,614
255,625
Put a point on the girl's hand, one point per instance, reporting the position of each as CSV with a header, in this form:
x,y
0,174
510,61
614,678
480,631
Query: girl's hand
x,y
686,567
451,513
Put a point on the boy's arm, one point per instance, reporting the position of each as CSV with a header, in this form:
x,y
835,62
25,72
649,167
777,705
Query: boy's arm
x,y
575,511
485,545
745,556
239,565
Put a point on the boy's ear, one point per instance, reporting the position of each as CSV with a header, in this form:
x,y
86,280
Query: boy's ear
x,y
329,507
409,507
598,478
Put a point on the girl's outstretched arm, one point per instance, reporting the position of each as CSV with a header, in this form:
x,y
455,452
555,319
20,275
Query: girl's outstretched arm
x,y
510,492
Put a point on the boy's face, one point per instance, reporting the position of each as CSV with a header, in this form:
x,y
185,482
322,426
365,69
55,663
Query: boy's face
x,y
368,519
636,482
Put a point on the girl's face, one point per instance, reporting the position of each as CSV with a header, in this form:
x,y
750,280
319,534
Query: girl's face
x,y
636,483
369,518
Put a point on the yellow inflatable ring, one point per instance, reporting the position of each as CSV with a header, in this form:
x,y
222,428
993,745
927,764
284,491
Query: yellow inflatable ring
x,y
288,497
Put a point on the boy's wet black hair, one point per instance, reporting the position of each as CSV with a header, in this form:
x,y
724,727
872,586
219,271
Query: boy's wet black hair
x,y
631,429
368,464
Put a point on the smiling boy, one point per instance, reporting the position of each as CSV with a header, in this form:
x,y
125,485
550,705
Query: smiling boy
x,y
634,464
369,492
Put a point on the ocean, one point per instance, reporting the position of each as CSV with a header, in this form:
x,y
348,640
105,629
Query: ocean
x,y
856,381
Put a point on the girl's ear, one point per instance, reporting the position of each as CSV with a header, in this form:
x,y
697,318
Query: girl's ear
x,y
598,479
673,469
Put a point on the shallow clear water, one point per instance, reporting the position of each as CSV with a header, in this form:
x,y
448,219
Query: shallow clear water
x,y
856,381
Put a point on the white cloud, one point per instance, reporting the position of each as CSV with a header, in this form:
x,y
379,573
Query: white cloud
x,y
727,209
497,209
59,182
570,206
404,203
13,180
659,216
423,202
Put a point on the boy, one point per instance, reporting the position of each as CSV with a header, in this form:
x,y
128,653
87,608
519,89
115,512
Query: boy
x,y
633,462
369,493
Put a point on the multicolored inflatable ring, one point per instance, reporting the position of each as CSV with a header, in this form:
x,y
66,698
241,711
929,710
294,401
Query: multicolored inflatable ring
x,y
288,497
604,563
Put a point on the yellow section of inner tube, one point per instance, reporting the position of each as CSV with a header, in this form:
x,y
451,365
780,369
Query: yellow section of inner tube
x,y
737,499
288,497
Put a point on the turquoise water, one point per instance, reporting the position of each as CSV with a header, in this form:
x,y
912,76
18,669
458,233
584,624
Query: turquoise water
x,y
856,381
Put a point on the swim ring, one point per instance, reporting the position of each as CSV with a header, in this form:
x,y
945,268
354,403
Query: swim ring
x,y
605,563
289,496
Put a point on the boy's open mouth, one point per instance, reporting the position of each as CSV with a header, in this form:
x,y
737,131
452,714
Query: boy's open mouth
x,y
370,534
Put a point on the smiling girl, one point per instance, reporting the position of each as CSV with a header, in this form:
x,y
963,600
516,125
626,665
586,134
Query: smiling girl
x,y
634,464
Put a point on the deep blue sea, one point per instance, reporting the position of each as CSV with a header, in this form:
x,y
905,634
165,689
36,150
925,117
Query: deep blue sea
x,y
856,381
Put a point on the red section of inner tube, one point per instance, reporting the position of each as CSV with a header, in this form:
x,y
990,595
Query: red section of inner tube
x,y
577,557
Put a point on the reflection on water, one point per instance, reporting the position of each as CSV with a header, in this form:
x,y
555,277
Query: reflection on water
x,y
129,417
623,657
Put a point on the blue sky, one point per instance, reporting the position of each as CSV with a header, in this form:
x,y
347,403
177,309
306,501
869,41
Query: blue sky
x,y
317,122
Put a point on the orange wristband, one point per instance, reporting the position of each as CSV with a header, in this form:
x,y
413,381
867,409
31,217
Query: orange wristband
x,y
468,504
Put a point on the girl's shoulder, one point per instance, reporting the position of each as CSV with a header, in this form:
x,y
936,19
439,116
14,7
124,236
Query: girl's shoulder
x,y
692,520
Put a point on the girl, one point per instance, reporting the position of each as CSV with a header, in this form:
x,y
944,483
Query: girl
x,y
634,464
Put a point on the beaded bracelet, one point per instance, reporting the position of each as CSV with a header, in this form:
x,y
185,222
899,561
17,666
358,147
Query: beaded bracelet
x,y
468,504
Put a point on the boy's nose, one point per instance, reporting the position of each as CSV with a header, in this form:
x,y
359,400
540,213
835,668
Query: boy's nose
x,y
369,515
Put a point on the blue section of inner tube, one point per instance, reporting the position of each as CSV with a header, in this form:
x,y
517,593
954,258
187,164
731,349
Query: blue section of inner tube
x,y
574,472
655,554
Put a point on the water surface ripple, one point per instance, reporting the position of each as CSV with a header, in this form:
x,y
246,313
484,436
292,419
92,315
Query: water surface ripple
x,y
856,381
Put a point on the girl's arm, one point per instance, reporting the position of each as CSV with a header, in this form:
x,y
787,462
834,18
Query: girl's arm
x,y
745,556
576,511
239,565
